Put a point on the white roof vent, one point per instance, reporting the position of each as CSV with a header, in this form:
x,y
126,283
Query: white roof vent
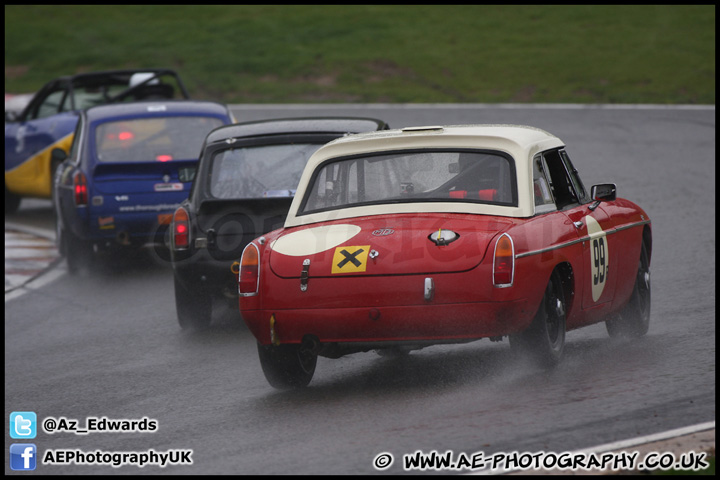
x,y
138,78
421,129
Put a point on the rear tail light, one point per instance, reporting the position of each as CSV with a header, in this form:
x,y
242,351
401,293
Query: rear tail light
x,y
249,274
504,262
81,191
180,229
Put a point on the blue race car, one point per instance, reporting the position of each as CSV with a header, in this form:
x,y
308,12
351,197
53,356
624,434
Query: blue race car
x,y
49,119
129,167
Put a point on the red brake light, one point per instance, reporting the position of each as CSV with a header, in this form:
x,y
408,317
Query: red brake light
x,y
180,229
164,158
249,271
80,186
503,261
125,136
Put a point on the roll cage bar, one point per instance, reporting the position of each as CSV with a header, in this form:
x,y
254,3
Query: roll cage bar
x,y
112,78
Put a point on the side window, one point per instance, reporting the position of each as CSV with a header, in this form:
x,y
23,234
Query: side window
x,y
541,188
50,104
63,175
560,182
575,178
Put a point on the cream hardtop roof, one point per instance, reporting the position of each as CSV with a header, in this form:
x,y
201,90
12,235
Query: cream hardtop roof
x,y
520,142
521,135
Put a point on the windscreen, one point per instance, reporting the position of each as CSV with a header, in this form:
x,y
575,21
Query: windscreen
x,y
86,97
160,139
418,176
259,171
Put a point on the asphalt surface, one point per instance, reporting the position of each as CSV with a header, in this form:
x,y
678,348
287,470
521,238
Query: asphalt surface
x,y
32,260
108,343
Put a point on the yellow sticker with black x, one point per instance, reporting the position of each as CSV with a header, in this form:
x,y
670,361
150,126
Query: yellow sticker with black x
x,y
350,259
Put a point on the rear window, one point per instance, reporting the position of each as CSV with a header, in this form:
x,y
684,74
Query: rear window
x,y
259,171
413,176
157,139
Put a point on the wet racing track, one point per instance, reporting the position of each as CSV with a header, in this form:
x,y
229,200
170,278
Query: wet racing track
x,y
107,343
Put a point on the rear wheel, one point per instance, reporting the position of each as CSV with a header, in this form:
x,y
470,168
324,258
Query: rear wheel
x,y
161,243
54,164
544,339
287,366
12,201
78,253
194,307
634,320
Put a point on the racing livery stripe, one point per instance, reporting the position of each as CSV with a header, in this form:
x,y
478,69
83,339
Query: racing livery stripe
x,y
59,143
580,240
32,177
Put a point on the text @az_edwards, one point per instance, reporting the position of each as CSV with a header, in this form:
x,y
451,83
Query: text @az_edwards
x,y
52,425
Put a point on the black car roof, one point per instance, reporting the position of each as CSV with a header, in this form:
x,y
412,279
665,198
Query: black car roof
x,y
296,125
155,106
120,77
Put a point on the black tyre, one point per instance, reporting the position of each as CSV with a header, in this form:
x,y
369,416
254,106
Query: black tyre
x,y
544,339
161,244
54,164
78,253
194,307
634,320
12,201
287,366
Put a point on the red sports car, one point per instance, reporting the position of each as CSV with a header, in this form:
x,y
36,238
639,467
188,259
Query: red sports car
x,y
400,239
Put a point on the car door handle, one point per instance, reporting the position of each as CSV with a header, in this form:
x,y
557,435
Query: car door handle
x,y
578,224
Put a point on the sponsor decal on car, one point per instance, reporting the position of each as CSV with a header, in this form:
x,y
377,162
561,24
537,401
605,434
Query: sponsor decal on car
x,y
168,187
106,223
144,208
350,259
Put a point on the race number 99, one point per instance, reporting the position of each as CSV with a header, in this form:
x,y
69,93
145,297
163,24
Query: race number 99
x,y
599,267
598,257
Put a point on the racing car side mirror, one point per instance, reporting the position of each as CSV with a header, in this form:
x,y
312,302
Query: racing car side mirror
x,y
603,192
58,155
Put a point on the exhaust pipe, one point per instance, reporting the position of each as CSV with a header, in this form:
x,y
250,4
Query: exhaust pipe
x,y
310,345
123,238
